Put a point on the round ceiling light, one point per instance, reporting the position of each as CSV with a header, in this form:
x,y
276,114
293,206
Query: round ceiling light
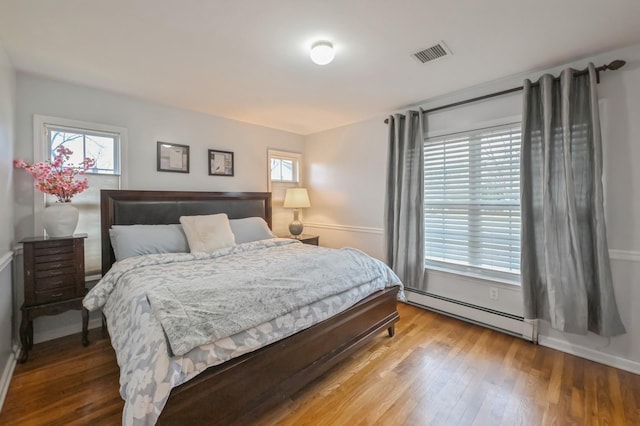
x,y
322,52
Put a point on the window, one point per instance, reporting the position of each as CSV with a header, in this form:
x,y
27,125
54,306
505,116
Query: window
x,y
472,201
284,166
100,142
284,172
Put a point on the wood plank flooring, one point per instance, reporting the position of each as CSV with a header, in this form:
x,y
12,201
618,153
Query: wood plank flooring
x,y
435,371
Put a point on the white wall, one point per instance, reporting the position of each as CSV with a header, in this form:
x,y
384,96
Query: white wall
x,y
345,170
146,123
347,167
7,110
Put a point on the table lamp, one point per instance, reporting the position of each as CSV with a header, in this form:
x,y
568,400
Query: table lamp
x,y
296,198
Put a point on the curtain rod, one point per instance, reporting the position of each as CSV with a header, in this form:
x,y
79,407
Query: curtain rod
x,y
614,65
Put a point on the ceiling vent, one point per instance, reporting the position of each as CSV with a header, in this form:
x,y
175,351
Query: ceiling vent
x,y
432,53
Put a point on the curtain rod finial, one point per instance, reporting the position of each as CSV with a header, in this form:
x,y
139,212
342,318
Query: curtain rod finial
x,y
617,64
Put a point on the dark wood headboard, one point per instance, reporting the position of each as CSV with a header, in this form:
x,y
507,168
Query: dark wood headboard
x,y
124,207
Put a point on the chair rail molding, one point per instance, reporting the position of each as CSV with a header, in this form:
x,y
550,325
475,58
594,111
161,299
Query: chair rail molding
x,y
345,228
626,255
6,259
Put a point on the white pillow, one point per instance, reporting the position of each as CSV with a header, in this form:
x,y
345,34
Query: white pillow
x,y
250,229
207,233
135,240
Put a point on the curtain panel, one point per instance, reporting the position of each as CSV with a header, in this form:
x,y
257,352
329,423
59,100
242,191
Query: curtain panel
x,y
404,211
565,267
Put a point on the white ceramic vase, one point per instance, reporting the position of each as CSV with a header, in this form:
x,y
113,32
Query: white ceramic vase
x,y
60,219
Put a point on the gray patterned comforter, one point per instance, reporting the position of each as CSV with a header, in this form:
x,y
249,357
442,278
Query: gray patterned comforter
x,y
148,372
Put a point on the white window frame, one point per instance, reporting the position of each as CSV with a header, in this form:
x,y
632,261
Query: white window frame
x,y
470,271
284,155
41,152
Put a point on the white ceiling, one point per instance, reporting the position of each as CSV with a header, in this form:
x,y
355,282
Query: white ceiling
x,y
247,59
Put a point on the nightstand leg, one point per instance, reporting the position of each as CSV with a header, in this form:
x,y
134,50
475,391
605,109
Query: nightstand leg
x,y
24,331
85,327
30,334
392,330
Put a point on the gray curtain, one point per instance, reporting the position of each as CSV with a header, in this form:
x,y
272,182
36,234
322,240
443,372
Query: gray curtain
x,y
566,275
404,213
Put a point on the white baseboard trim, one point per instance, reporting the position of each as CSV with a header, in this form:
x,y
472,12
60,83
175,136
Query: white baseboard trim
x,y
590,354
63,331
7,374
6,260
347,228
627,255
485,318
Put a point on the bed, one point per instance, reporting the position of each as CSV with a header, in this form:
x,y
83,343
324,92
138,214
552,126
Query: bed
x,y
223,393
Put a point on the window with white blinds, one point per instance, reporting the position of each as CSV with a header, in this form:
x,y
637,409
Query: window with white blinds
x,y
284,173
104,148
472,201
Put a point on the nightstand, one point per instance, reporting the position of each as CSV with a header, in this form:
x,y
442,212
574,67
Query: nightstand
x,y
307,239
53,283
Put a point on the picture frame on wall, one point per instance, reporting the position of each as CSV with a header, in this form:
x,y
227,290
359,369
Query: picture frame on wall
x,y
220,163
173,157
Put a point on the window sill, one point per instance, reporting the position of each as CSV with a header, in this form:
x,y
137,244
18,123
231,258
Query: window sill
x,y
475,275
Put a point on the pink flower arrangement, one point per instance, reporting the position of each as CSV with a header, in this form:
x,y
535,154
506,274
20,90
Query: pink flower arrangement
x,y
53,177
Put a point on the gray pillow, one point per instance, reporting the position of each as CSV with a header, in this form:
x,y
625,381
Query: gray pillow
x,y
250,229
135,240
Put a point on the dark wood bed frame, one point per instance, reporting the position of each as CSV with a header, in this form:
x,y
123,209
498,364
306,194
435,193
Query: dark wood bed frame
x,y
222,394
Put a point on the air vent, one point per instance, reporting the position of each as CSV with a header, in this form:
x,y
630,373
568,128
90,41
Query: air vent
x,y
432,53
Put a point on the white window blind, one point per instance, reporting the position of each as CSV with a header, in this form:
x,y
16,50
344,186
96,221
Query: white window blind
x,y
472,201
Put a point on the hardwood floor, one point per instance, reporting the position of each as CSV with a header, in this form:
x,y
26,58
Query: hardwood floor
x,y
435,371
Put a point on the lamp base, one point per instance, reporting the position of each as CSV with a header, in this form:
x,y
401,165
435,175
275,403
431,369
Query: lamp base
x,y
296,227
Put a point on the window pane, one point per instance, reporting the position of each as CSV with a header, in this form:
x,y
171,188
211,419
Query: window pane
x,y
287,170
276,169
72,141
101,149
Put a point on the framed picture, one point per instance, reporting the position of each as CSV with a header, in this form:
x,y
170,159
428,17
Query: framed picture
x,y
173,157
220,163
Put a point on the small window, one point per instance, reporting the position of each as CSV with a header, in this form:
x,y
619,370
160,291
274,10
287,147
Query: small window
x,y
284,173
284,166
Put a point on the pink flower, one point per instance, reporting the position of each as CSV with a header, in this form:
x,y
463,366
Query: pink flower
x,y
54,178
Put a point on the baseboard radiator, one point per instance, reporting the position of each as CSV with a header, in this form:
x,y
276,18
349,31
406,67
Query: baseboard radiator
x,y
499,321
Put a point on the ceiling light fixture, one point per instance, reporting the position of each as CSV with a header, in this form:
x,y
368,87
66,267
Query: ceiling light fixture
x,y
322,52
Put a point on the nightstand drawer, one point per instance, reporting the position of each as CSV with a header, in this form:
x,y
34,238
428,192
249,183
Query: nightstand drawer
x,y
53,243
55,272
52,251
48,266
57,257
55,282
55,294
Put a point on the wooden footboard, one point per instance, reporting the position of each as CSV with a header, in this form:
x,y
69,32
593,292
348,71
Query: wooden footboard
x,y
223,393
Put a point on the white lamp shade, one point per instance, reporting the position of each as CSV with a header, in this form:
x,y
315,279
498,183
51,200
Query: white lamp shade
x,y
322,52
296,198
